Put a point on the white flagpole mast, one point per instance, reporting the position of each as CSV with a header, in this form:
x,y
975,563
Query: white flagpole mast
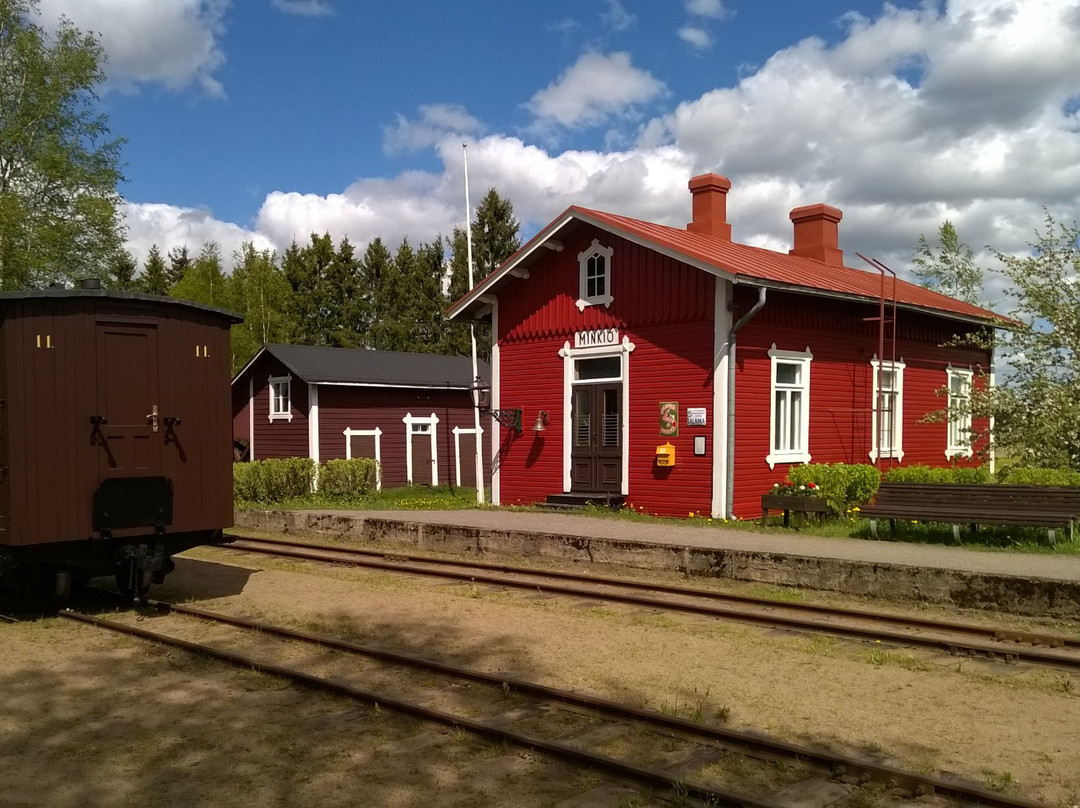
x,y
472,338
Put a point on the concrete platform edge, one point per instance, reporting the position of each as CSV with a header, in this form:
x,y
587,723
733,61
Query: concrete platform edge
x,y
1012,594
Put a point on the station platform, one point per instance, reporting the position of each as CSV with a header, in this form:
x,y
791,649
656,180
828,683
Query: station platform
x,y
1020,583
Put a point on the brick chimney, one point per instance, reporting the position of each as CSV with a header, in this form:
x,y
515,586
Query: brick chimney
x,y
710,206
816,234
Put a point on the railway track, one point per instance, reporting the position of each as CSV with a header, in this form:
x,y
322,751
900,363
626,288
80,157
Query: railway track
x,y
968,639
694,737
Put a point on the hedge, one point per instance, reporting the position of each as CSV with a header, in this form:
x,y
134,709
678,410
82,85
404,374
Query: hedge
x,y
944,474
1015,475
845,485
273,480
348,478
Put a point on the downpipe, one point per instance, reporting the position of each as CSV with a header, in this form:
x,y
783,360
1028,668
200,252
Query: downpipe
x,y
729,465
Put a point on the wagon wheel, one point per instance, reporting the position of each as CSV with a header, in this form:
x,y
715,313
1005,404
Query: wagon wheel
x,y
132,578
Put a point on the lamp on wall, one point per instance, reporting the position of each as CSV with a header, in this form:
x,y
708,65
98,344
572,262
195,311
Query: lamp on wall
x,y
509,417
541,421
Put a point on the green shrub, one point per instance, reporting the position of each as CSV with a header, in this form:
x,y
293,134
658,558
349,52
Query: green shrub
x,y
1015,475
273,480
348,478
845,485
943,474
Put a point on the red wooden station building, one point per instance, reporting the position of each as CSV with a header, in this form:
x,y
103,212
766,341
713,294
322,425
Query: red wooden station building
x,y
684,372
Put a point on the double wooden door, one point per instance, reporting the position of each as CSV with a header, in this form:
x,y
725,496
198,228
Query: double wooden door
x,y
596,452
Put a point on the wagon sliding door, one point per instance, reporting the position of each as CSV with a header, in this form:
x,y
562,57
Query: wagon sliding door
x,y
128,439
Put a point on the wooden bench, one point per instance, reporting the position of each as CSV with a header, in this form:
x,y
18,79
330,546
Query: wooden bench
x,y
956,504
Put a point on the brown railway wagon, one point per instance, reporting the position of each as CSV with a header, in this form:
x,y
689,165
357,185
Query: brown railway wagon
x,y
115,435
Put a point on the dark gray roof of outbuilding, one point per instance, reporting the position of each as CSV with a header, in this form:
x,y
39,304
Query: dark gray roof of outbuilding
x,y
317,365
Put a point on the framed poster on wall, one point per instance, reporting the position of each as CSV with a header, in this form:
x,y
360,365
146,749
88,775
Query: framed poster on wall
x,y
669,419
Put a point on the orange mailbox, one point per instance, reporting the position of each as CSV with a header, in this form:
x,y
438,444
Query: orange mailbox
x,y
665,455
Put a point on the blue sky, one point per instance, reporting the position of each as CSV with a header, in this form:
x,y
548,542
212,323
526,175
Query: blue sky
x,y
266,120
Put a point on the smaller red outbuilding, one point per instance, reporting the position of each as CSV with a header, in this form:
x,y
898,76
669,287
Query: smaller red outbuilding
x,y
411,412
686,373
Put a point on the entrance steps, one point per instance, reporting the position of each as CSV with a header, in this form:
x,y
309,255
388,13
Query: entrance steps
x,y
579,499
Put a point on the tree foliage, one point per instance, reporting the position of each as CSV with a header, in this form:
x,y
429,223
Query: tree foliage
x,y
1036,400
59,168
321,294
951,269
1038,409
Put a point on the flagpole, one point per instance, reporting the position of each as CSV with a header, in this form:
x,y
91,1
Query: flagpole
x,y
472,339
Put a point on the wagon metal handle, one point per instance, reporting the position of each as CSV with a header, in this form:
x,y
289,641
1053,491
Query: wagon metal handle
x,y
152,419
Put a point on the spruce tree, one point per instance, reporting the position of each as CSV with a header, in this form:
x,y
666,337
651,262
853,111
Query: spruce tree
x,y
154,279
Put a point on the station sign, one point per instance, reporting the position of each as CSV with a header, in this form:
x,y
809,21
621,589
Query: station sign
x,y
596,338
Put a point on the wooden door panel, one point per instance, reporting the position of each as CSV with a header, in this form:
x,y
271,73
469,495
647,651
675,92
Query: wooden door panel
x,y
127,397
596,454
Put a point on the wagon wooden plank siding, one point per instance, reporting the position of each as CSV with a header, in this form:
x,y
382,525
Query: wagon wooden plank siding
x,y
110,399
412,412
601,320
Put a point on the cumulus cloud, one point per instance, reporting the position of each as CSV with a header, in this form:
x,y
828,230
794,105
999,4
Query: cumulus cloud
x,y
169,226
173,42
305,8
435,122
596,87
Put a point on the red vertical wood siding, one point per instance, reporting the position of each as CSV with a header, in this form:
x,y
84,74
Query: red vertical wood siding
x,y
666,309
341,408
843,341
278,438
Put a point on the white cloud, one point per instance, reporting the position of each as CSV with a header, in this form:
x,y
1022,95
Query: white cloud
x,y
617,17
169,226
435,122
698,37
713,9
305,8
173,42
593,89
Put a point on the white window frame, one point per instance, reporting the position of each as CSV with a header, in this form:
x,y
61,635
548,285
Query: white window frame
x,y
958,425
896,451
801,453
276,414
376,433
584,299
411,424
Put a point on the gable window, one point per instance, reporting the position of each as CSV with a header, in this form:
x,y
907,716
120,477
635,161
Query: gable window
x,y
280,402
888,412
959,421
594,276
789,406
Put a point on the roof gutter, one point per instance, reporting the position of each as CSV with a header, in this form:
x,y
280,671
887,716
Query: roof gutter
x,y
729,463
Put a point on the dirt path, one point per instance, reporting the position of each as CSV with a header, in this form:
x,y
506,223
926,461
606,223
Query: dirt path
x,y
86,719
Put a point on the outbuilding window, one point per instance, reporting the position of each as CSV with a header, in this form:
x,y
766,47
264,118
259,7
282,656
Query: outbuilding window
x,y
594,271
959,422
789,406
888,412
280,403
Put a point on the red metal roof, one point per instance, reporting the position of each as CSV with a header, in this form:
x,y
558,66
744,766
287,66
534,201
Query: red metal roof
x,y
739,262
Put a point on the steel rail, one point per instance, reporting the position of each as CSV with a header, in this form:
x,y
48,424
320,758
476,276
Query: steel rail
x,y
745,741
986,632
651,778
772,620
